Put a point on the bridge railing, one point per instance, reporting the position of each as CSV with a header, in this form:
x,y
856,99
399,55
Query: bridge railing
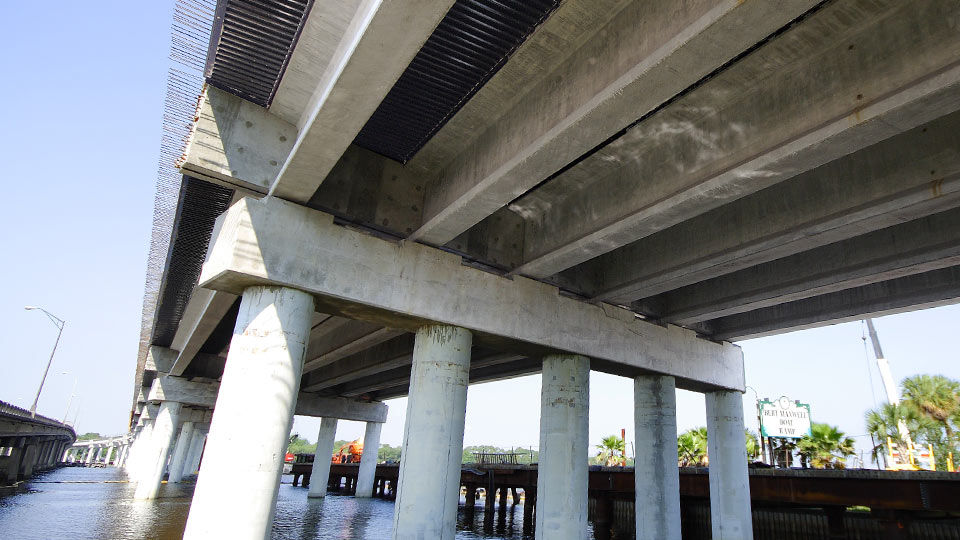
x,y
12,411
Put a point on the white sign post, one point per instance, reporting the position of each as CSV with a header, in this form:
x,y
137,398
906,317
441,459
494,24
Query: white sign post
x,y
784,418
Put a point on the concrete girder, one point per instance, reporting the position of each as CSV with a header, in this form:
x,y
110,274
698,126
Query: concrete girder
x,y
646,54
379,358
181,390
843,79
236,143
379,43
322,31
204,394
194,331
344,409
407,285
909,293
899,179
396,383
336,338
924,244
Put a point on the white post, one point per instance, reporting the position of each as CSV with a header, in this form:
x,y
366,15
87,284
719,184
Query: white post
x,y
564,426
656,476
429,478
180,453
320,473
155,456
729,480
368,461
252,418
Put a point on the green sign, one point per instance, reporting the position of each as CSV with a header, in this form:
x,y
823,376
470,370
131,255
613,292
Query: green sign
x,y
784,418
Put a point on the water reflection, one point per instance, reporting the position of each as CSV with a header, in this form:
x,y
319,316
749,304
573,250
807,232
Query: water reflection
x,y
78,502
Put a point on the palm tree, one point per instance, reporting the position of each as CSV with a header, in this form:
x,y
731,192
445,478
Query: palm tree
x,y
935,397
753,447
826,447
611,451
692,448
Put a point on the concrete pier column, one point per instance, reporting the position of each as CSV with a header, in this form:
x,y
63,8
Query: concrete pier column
x,y
252,417
368,461
89,456
140,444
184,438
122,457
429,477
14,459
109,455
656,476
564,423
320,473
196,450
729,481
156,455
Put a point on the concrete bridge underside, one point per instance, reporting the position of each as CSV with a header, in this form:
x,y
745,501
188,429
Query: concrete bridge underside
x,y
626,187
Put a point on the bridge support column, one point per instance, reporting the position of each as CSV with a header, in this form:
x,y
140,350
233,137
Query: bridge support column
x,y
656,476
122,457
109,455
13,462
252,417
155,457
320,473
29,460
196,450
429,477
184,438
564,423
89,457
729,480
140,442
368,461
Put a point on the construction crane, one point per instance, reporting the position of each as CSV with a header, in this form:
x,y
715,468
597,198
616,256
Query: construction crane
x,y
900,460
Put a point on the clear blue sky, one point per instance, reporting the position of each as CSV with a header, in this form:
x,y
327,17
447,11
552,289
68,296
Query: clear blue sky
x,y
84,99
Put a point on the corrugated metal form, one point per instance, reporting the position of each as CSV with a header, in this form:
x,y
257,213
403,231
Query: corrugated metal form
x,y
472,42
199,205
250,45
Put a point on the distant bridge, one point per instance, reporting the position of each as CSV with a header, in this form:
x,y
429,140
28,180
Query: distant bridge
x,y
29,443
105,451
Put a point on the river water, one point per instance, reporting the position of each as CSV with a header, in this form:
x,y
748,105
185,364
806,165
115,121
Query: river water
x,y
80,502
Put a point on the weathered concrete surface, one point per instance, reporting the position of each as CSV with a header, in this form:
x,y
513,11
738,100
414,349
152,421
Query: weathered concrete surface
x,y
645,55
157,451
429,479
407,285
377,46
368,461
321,34
564,429
846,78
917,246
236,143
180,450
185,391
344,409
902,178
656,475
320,473
730,514
204,311
898,295
254,412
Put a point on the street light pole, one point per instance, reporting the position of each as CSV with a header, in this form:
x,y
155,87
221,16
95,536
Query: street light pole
x,y
58,322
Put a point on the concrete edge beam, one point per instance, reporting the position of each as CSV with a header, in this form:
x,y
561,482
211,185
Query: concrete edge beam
x,y
376,48
213,305
399,285
236,143
181,390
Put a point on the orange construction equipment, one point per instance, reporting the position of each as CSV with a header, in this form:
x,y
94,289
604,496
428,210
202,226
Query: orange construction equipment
x,y
348,453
